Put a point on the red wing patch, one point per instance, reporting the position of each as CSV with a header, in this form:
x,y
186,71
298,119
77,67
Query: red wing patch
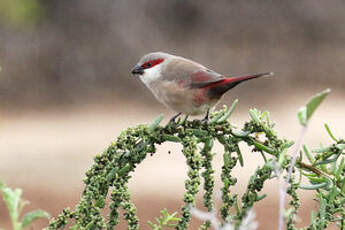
x,y
204,78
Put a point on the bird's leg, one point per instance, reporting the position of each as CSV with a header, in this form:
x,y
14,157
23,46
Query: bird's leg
x,y
173,119
205,120
185,120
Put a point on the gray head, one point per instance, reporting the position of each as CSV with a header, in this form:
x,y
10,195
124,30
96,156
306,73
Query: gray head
x,y
149,61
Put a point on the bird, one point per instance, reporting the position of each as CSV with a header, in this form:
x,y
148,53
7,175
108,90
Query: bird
x,y
183,85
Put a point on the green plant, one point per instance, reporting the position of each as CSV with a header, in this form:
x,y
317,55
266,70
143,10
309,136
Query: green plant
x,y
20,13
15,205
112,169
166,220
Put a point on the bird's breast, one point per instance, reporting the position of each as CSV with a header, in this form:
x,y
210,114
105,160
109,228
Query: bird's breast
x,y
180,98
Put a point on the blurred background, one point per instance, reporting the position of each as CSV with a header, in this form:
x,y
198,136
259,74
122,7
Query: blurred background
x,y
66,90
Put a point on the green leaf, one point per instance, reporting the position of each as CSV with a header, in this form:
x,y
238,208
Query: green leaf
x,y
313,187
340,168
328,160
208,145
34,215
264,148
313,216
304,114
171,138
156,122
217,116
330,133
112,174
308,154
323,204
12,200
261,197
226,159
315,102
282,156
125,169
229,112
322,150
240,157
198,132
254,114
240,133
288,144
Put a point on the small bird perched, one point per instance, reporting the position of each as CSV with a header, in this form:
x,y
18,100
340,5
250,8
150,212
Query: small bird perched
x,y
183,85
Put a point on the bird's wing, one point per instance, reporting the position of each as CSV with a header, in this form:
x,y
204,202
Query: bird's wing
x,y
203,78
191,74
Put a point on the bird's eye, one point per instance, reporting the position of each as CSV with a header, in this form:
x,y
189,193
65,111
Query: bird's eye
x,y
151,63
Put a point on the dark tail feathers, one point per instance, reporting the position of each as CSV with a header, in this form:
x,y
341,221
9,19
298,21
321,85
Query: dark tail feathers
x,y
216,90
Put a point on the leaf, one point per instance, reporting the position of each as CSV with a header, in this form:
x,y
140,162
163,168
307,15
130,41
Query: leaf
x,y
12,200
340,168
315,102
112,174
313,216
208,145
217,116
240,133
322,210
322,149
264,148
156,122
240,157
304,114
288,144
261,197
330,133
124,170
171,138
282,156
198,132
34,215
229,112
308,154
328,160
313,187
254,114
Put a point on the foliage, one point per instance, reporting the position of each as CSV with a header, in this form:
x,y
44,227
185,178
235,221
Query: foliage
x,y
15,206
166,220
305,112
112,169
20,12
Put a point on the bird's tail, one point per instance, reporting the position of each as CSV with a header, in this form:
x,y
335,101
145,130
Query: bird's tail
x,y
217,89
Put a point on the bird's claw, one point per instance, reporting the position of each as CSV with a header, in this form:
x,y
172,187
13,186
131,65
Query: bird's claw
x,y
205,121
173,119
206,118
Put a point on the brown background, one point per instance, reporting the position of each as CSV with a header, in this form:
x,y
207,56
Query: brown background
x,y
66,91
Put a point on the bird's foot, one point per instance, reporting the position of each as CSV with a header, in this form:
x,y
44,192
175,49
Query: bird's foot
x,y
173,119
184,122
206,118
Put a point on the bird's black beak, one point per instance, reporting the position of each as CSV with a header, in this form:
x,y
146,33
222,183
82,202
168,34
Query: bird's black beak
x,y
137,70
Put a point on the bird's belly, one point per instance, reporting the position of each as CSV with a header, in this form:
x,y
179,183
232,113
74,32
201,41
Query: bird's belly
x,y
182,99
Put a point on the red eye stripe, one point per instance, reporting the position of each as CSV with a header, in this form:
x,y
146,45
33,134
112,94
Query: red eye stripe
x,y
152,63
